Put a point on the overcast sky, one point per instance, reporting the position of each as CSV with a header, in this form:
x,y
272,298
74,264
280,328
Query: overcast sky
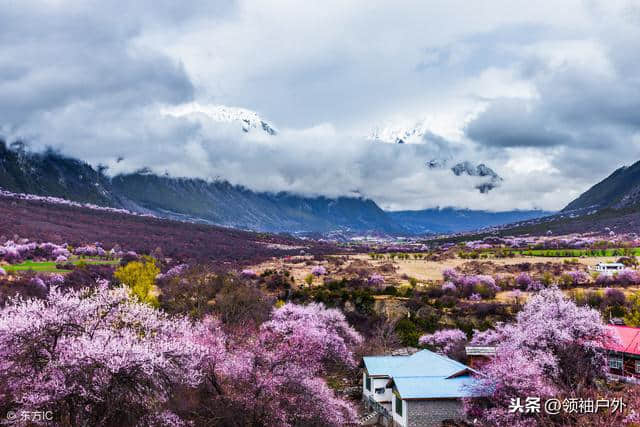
x,y
546,93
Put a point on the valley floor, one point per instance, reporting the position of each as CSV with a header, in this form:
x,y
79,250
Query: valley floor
x,y
424,271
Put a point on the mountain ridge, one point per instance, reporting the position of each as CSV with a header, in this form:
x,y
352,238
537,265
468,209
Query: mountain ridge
x,y
449,220
218,202
609,207
620,189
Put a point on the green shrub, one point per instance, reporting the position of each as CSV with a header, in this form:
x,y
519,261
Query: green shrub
x,y
408,332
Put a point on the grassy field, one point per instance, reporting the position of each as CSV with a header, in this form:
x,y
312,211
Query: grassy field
x,y
50,266
613,252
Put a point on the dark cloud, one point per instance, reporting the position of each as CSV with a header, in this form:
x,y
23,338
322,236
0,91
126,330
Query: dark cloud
x,y
55,56
585,116
515,123
583,100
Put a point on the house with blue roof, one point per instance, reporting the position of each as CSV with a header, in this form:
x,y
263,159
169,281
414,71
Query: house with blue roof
x,y
421,389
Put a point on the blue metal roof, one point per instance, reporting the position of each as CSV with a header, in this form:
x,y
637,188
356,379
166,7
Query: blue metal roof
x,y
434,387
422,363
423,375
383,365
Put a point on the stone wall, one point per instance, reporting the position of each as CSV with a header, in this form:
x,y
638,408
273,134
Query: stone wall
x,y
431,413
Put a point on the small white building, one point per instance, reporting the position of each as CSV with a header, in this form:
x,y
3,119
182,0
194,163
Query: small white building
x,y
422,389
608,267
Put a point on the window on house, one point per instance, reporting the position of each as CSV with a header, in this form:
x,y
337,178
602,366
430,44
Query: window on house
x,y
398,405
615,362
380,390
637,366
367,382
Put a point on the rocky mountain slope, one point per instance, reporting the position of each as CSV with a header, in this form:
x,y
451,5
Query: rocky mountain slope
x,y
39,219
194,200
481,170
610,207
233,206
619,190
51,174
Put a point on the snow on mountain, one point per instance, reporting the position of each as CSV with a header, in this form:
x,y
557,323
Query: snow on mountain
x,y
480,170
468,168
400,134
247,119
419,133
437,163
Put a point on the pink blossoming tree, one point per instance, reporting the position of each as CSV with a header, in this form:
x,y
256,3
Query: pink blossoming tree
x,y
96,356
449,342
318,270
524,280
99,357
282,368
249,273
375,280
553,348
449,288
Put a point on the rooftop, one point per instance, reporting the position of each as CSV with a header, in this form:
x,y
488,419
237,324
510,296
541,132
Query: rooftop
x,y
423,375
434,387
629,338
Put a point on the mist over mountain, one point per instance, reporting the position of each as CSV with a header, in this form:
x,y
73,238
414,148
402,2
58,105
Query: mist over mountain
x,y
419,133
52,174
609,207
221,203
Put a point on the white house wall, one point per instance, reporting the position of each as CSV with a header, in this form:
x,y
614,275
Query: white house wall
x,y
381,383
399,420
376,383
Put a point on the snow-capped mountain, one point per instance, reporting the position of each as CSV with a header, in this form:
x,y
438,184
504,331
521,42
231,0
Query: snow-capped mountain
x,y
399,134
419,133
247,119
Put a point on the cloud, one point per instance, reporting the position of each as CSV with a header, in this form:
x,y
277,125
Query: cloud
x,y
514,123
584,117
536,95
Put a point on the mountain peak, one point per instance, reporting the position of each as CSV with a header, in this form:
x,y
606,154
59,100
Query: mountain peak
x,y
247,119
400,134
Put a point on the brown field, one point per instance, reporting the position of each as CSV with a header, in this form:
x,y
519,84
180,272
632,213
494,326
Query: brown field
x,y
299,270
424,271
432,270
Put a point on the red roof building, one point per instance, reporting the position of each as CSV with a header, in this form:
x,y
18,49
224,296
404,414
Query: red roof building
x,y
624,357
